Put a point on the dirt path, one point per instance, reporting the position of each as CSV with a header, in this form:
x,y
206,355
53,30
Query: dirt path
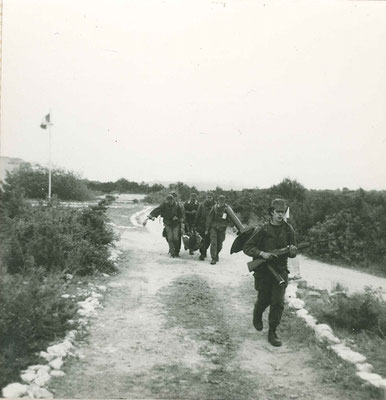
x,y
326,276
181,328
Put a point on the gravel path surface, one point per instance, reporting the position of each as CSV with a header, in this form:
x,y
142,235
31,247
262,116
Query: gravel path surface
x,y
181,328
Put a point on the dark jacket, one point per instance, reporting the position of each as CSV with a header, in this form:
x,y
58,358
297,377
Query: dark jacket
x,y
191,211
172,215
202,214
269,237
218,218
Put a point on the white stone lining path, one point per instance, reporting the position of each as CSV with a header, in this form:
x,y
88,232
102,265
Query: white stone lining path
x,y
324,334
35,377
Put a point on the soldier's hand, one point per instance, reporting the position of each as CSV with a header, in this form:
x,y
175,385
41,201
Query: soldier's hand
x,y
144,222
293,250
267,256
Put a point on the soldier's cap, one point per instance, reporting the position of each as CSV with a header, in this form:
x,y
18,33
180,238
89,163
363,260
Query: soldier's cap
x,y
174,194
193,194
169,196
221,197
279,205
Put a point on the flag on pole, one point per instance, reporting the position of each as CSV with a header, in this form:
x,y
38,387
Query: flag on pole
x,y
46,122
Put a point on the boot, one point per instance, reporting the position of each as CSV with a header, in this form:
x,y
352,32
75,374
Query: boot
x,y
272,337
202,257
257,321
213,261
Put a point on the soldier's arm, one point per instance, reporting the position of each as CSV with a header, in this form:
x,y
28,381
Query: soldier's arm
x,y
251,246
156,212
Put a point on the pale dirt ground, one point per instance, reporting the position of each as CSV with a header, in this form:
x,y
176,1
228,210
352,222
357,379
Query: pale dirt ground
x,y
181,329
326,276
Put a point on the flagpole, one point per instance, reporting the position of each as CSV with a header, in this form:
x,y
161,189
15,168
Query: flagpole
x,y
49,157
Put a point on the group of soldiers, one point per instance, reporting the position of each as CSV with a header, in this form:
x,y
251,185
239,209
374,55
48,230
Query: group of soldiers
x,y
202,224
210,219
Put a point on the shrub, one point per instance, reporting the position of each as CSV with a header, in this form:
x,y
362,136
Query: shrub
x,y
32,314
122,185
58,238
361,311
66,185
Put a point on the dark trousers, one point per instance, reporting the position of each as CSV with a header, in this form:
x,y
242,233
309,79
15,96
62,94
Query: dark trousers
x,y
217,237
205,242
270,293
173,238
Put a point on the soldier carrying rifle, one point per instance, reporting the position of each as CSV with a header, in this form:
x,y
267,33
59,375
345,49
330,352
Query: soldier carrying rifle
x,y
275,234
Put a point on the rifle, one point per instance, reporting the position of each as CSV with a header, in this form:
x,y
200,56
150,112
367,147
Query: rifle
x,y
245,232
254,264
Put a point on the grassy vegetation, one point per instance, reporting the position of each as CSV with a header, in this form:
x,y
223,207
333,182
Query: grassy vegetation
x,y
358,319
39,246
57,239
359,312
330,367
32,314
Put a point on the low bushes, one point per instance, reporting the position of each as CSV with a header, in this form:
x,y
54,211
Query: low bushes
x,y
359,319
66,185
58,239
32,314
358,312
39,245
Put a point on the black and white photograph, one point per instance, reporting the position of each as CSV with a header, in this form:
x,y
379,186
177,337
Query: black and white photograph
x,y
193,199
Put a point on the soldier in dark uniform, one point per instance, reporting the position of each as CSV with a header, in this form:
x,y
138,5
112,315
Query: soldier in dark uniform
x,y
274,234
200,223
216,225
191,207
173,221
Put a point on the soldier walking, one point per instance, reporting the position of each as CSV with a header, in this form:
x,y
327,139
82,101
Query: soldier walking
x,y
200,223
275,234
173,221
216,225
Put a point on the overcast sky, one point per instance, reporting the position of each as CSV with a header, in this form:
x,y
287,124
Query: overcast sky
x,y
233,92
